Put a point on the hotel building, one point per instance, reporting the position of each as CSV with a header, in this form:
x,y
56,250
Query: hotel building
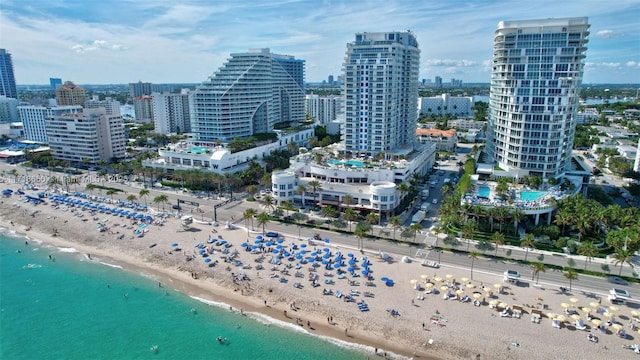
x,y
171,113
33,119
7,78
70,94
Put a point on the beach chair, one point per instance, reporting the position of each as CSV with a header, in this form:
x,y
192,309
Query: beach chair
x,y
580,325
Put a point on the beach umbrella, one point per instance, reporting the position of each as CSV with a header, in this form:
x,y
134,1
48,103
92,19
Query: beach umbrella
x,y
551,315
449,276
444,288
336,265
207,260
278,246
350,269
594,304
587,310
503,305
575,317
276,251
202,251
268,243
303,252
424,276
486,289
286,253
326,240
429,285
413,281
617,327
326,256
470,286
174,244
459,292
635,313
350,255
494,302
244,244
607,314
561,318
497,286
303,245
280,241
326,249
565,305
614,308
298,256
573,300
351,262
437,279
464,279
384,278
476,295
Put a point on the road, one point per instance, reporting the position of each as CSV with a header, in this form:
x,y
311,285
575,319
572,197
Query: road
x,y
235,210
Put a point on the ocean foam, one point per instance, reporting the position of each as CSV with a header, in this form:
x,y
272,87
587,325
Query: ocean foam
x,y
109,265
67,250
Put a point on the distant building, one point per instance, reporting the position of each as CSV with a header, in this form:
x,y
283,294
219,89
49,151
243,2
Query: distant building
x,y
143,108
13,130
171,113
8,110
7,79
446,104
587,115
466,124
34,119
143,88
445,140
70,94
324,109
91,134
438,81
330,80
55,83
112,106
248,95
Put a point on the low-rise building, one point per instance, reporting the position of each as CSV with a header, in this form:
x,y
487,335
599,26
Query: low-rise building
x,y
446,104
112,106
34,119
445,140
466,124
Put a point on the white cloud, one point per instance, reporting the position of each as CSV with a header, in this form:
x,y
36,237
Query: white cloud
x,y
608,34
633,64
97,45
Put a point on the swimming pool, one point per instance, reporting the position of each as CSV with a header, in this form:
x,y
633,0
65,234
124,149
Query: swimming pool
x,y
484,191
531,195
354,163
198,149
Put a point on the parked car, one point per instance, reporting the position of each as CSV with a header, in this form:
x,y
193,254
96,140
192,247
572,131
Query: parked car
x,y
617,280
271,234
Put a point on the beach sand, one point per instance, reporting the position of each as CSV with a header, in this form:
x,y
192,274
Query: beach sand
x,y
463,331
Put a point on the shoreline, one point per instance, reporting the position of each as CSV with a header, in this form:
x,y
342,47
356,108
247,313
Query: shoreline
x,y
212,294
451,329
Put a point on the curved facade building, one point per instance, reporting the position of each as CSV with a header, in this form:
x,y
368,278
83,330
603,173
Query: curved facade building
x,y
535,80
284,185
383,195
249,94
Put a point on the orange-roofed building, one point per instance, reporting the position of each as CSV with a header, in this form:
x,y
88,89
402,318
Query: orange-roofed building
x,y
70,94
445,140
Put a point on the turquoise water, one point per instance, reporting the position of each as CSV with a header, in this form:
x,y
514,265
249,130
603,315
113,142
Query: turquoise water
x,y
484,191
531,195
198,149
76,309
354,163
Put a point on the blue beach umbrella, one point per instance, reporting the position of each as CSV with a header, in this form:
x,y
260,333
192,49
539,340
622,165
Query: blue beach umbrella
x,y
327,240
350,269
276,251
207,260
244,244
336,265
298,256
280,241
259,237
303,245
326,250
326,256
278,246
174,244
365,272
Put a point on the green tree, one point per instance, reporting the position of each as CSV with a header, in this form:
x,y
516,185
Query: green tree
x,y
622,256
160,199
571,275
360,233
299,218
372,219
288,206
467,232
528,242
537,268
415,228
473,256
143,194
269,203
249,214
396,223
350,215
263,220
451,241
90,188
131,198
498,240
588,250
314,187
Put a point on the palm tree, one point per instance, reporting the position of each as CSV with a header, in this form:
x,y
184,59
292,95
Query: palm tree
x,y
347,200
249,214
529,241
131,198
372,219
437,229
473,256
562,219
299,218
314,186
571,275
451,241
287,206
263,219
518,216
90,188
301,189
269,203
467,232
537,268
414,230
360,233
396,224
588,250
160,199
110,193
143,194
622,256
350,215
498,240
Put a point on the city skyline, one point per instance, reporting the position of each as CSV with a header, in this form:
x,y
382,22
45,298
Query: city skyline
x,y
123,41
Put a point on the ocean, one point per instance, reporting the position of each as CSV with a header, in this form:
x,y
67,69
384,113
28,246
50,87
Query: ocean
x,y
73,308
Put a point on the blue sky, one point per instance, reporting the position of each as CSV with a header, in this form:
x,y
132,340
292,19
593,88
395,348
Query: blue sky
x,y
162,41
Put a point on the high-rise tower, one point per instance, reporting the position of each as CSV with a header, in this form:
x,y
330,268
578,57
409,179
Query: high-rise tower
x,y
249,94
7,79
536,76
381,89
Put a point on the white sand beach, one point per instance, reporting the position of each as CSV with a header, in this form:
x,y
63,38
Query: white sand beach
x,y
426,325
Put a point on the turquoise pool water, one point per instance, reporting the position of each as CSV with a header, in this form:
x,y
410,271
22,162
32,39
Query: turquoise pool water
x,y
354,163
198,149
531,195
484,191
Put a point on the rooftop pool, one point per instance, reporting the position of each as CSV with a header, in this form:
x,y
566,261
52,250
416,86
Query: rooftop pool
x,y
484,191
531,195
353,163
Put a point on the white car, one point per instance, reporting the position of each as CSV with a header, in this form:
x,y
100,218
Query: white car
x,y
511,275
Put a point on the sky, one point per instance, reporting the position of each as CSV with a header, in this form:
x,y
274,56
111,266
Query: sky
x,y
186,41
